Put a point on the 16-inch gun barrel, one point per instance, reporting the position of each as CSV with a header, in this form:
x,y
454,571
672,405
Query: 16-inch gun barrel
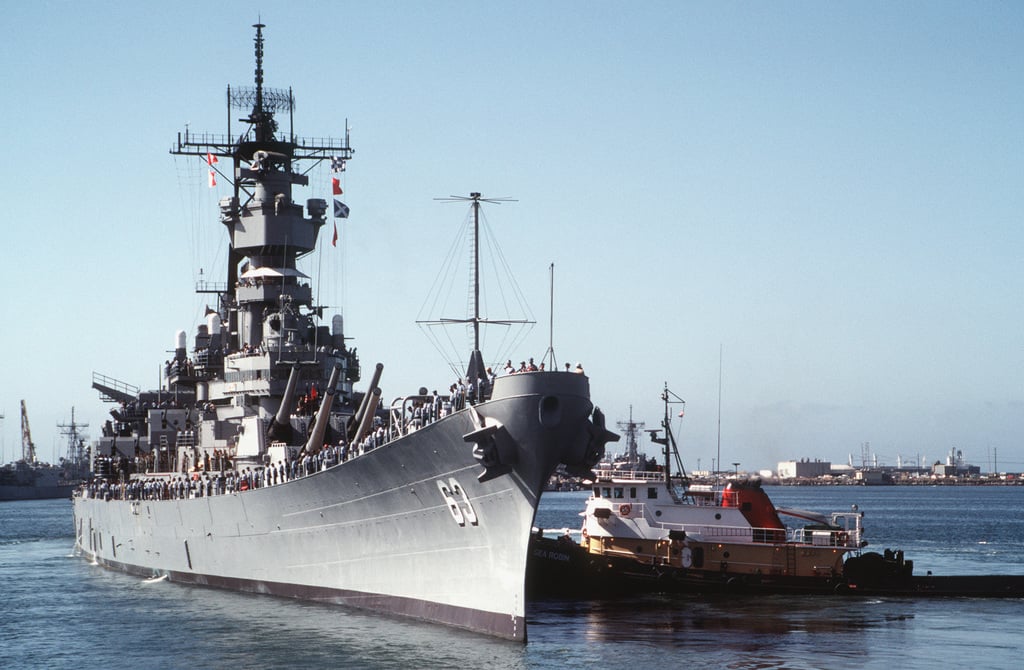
x,y
357,420
316,436
281,428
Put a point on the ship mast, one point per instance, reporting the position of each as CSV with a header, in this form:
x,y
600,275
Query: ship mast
x,y
261,176
476,271
76,441
631,428
476,368
668,442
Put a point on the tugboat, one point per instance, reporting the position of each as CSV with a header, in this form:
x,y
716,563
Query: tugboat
x,y
258,467
657,531
660,529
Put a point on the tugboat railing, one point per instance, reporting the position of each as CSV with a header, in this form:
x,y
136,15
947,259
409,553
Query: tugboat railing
x,y
845,533
631,476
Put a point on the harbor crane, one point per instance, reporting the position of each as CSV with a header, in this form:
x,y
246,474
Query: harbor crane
x,y
28,448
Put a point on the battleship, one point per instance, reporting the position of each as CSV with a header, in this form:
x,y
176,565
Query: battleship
x,y
258,466
28,478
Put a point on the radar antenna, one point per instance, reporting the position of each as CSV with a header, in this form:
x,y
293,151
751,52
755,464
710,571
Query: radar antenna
x,y
262,104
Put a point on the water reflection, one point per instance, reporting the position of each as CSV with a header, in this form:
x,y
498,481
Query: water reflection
x,y
734,631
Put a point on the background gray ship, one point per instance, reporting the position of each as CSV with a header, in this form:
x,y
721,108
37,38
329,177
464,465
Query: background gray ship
x,y
28,478
258,467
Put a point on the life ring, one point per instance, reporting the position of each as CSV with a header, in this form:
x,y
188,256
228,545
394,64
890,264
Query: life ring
x,y
624,510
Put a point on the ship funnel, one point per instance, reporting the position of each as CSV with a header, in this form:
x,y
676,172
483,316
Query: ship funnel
x,y
316,437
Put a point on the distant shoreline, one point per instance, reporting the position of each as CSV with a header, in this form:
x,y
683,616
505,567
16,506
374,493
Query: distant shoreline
x,y
946,481
568,484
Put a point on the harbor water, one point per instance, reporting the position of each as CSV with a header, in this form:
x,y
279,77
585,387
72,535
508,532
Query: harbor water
x,y
58,611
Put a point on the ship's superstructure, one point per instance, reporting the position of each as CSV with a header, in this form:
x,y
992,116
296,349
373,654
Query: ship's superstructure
x,y
258,466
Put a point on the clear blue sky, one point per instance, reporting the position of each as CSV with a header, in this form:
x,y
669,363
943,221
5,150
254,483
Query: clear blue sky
x,y
831,193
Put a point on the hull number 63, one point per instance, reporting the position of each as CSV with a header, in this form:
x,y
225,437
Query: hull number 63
x,y
458,502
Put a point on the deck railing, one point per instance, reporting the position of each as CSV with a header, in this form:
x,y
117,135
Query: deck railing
x,y
846,534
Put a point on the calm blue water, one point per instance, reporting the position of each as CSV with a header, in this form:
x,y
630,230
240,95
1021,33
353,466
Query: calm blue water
x,y
61,612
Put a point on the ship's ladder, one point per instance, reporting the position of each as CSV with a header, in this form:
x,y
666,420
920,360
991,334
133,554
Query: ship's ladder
x,y
790,559
160,454
186,439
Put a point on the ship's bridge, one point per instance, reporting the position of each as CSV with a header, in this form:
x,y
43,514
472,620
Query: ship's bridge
x,y
269,284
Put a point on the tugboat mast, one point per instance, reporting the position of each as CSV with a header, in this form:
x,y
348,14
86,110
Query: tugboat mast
x,y
668,441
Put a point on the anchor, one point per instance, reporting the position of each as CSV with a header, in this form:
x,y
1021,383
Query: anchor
x,y
493,447
598,437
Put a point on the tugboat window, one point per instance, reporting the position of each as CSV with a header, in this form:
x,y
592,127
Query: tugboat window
x,y
617,491
652,492
607,492
632,492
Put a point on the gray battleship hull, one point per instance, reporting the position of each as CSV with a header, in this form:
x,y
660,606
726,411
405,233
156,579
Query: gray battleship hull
x,y
378,531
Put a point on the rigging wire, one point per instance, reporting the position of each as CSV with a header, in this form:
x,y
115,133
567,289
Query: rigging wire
x,y
202,237
496,286
522,311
